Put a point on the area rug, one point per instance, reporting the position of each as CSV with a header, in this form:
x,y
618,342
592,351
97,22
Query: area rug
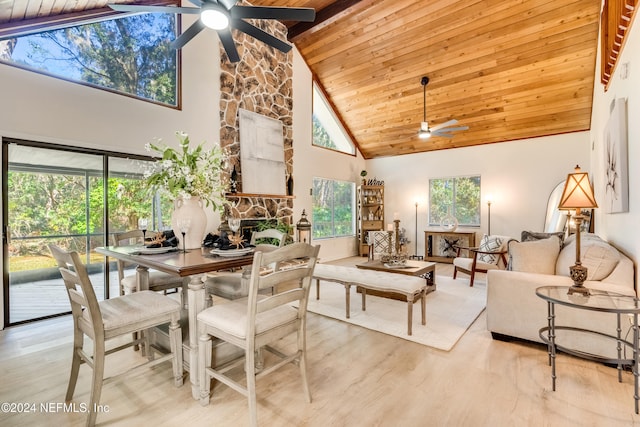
x,y
451,309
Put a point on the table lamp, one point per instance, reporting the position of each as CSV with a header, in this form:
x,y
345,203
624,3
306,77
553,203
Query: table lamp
x,y
578,194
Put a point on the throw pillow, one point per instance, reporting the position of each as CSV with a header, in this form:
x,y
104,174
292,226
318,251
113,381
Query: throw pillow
x,y
598,256
536,256
528,236
490,244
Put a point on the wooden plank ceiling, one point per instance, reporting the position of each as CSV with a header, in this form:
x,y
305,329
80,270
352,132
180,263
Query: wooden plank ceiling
x,y
508,69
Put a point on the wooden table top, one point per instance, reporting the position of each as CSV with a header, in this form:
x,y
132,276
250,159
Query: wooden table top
x,y
413,267
193,261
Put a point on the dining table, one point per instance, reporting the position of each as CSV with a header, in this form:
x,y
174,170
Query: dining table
x,y
192,263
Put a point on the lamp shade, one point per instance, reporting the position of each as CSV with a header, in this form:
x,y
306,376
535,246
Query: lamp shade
x,y
578,192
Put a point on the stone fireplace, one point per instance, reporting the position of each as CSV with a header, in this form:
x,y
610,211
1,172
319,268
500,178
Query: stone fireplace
x,y
260,82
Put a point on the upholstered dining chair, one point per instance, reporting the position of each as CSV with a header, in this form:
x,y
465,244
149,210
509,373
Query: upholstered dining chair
x,y
158,281
490,255
112,318
255,322
233,285
381,242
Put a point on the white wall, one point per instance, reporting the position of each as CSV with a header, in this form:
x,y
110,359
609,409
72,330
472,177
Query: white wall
x,y
519,176
310,161
620,228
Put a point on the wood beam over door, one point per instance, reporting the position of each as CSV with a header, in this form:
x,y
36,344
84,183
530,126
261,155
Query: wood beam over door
x,y
323,17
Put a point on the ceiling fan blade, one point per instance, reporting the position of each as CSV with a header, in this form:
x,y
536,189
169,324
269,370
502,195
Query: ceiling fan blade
x,y
227,3
258,34
229,45
186,36
446,135
444,125
282,13
453,129
154,9
196,2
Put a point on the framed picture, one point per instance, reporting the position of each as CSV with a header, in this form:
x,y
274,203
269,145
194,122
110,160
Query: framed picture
x,y
616,179
261,154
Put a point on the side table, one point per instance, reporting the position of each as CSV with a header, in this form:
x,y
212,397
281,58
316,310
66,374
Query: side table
x,y
602,301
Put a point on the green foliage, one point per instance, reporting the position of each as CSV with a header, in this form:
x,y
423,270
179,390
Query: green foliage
x,y
187,172
320,136
130,54
461,195
332,208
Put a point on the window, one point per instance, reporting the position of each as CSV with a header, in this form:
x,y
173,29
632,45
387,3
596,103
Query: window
x,y
62,195
129,55
327,130
460,195
333,208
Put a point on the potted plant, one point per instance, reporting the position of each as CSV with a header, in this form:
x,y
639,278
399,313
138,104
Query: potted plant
x,y
363,174
189,177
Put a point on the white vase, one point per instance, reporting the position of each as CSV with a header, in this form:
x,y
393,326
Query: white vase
x,y
193,210
449,222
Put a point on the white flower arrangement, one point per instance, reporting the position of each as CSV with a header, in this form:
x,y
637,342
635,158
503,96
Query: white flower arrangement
x,y
186,173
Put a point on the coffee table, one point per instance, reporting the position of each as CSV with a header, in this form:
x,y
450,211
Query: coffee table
x,y
411,268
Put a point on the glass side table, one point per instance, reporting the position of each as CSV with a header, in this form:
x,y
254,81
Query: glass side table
x,y
607,302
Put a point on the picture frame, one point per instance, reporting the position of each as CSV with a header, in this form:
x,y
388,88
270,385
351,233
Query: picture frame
x,y
616,169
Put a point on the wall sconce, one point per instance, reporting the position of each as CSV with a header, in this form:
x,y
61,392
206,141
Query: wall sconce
x,y
303,227
578,194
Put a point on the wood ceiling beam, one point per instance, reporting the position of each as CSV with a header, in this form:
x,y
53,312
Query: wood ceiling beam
x,y
325,16
25,27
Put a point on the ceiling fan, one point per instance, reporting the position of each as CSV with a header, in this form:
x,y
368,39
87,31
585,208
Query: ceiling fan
x,y
222,16
443,129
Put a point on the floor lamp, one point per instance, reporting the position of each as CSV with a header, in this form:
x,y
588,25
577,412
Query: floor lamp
x,y
415,255
578,195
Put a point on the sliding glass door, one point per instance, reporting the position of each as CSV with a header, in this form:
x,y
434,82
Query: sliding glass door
x,y
63,196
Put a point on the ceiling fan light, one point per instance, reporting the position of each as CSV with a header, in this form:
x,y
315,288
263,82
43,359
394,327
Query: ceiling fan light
x,y
213,17
424,134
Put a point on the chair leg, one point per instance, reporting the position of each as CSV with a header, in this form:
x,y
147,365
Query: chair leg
x,y
75,365
204,363
97,379
175,337
473,275
302,362
251,387
455,272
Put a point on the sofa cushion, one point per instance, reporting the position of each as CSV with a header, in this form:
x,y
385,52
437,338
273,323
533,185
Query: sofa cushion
x,y
536,256
598,256
528,236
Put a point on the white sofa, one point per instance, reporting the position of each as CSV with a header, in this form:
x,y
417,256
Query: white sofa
x,y
514,309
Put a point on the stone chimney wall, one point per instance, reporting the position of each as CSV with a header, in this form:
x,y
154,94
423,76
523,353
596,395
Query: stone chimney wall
x,y
262,82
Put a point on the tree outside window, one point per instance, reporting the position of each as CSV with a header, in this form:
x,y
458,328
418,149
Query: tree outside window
x,y
129,55
460,195
333,208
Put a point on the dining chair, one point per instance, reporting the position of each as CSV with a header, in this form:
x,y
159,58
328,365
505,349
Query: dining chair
x,y
272,234
235,284
158,280
490,255
101,321
255,322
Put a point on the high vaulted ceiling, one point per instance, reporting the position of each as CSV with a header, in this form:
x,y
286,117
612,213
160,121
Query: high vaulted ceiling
x,y
508,69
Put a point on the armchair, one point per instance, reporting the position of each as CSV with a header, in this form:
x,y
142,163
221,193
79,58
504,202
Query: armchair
x,y
490,255
381,242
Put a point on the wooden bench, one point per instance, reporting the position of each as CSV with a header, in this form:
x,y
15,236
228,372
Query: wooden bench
x,y
412,288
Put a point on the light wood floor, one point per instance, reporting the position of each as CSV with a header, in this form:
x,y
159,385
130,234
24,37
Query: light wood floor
x,y
357,377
